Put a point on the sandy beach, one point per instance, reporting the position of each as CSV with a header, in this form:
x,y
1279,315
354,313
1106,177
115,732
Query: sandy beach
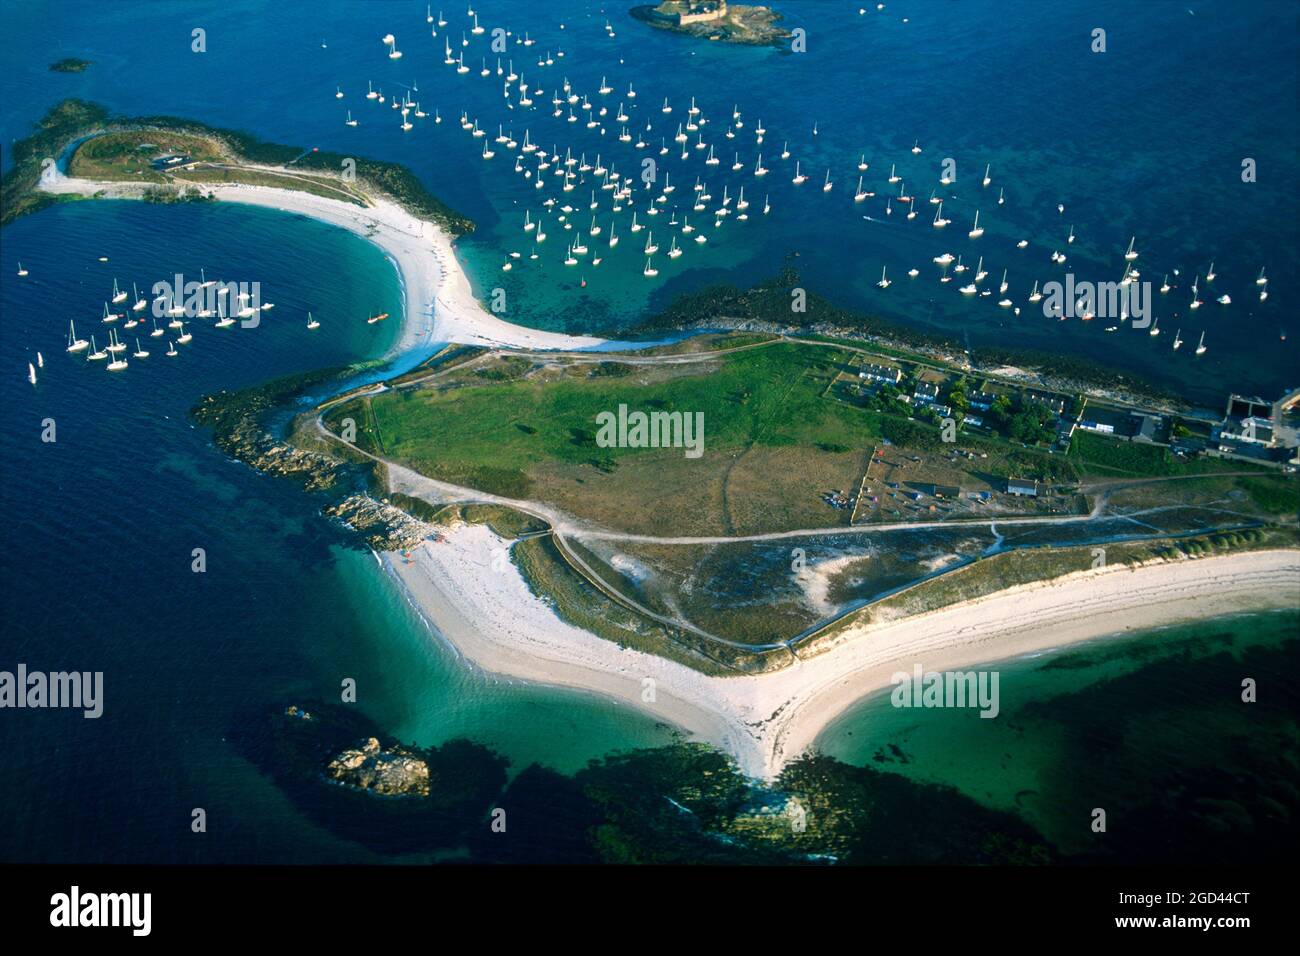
x,y
764,721
439,304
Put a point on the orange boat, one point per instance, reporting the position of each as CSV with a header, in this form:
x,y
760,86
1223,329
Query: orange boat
x,y
377,318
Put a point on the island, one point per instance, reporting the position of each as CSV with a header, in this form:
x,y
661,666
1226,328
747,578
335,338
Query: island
x,y
70,65
747,523
714,20
842,508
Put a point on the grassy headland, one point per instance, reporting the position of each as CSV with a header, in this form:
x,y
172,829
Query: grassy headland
x,y
134,150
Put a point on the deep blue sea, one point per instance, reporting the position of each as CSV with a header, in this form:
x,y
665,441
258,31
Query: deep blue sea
x,y
1146,139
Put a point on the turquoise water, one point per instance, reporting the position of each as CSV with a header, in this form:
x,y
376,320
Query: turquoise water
x,y
96,567
1112,723
101,527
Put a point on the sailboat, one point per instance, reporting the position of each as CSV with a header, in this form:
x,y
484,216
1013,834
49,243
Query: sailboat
x,y
1002,289
21,270
976,231
75,344
673,251
649,270
96,354
31,373
884,280
349,121
1178,339
826,186
140,304
1200,346
1209,276
1262,280
1001,196
859,195
1131,254
119,295
157,332
1164,286
1196,301
171,349
799,178
184,337
1155,327
939,221
118,364
139,352
987,180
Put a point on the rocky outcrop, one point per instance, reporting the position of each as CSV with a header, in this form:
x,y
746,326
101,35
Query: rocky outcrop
x,y
384,526
389,772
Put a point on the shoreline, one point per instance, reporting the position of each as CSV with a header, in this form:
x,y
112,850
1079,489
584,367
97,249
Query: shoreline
x,y
439,305
493,621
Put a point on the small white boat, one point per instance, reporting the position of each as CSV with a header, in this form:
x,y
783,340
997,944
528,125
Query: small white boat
x,y
139,352
171,349
976,230
1178,339
884,280
21,270
31,373
1200,346
75,344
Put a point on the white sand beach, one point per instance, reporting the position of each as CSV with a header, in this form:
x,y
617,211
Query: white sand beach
x,y
764,721
439,304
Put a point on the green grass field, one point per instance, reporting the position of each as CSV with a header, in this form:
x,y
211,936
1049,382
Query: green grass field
x,y
772,441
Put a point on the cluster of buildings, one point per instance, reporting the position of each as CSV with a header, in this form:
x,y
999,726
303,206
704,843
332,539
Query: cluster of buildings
x,y
1255,430
1251,429
685,12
